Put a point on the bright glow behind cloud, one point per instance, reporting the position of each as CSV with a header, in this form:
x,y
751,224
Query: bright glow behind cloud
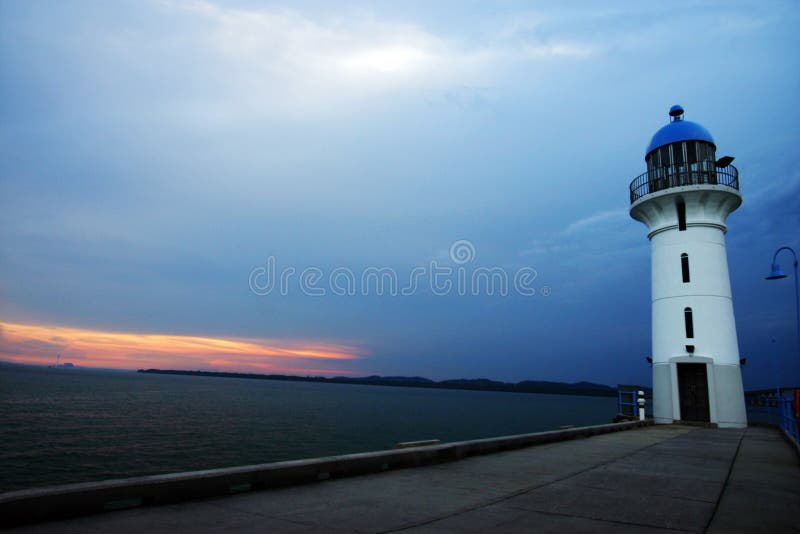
x,y
392,59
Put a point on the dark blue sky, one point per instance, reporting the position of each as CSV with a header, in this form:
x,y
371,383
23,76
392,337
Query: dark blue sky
x,y
154,153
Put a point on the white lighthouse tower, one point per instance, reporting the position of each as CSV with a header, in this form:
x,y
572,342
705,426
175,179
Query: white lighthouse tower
x,y
684,198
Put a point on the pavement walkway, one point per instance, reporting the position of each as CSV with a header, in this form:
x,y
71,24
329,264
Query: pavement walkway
x,y
654,479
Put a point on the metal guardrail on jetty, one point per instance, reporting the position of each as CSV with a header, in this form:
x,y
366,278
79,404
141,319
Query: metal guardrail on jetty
x,y
781,408
628,403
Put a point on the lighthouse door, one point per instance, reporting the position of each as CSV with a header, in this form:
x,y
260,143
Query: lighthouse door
x,y
693,391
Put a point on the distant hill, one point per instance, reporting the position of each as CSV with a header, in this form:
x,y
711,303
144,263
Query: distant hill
x,y
479,384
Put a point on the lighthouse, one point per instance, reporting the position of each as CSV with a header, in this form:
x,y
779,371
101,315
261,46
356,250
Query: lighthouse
x,y
684,198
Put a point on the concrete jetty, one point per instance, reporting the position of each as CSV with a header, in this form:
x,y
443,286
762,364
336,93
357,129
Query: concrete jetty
x,y
649,479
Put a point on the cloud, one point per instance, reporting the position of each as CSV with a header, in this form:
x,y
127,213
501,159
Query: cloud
x,y
579,236
282,61
597,221
589,254
559,50
28,343
278,61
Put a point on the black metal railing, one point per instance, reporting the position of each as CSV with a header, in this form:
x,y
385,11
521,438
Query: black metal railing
x,y
681,175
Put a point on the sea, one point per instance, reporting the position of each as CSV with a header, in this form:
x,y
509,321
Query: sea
x,y
61,425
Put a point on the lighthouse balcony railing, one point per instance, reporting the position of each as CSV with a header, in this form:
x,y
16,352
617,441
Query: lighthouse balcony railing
x,y
662,178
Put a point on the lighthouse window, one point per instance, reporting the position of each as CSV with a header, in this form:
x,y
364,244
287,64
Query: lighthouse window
x,y
687,318
691,152
664,155
709,152
677,153
685,267
681,208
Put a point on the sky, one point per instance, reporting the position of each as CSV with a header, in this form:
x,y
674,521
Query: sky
x,y
436,189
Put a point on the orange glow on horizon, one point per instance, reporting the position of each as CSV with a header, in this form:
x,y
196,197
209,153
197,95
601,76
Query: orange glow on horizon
x,y
40,344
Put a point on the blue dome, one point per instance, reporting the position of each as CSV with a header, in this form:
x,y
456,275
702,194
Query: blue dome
x,y
679,130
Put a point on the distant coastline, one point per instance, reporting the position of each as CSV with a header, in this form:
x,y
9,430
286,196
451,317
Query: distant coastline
x,y
479,384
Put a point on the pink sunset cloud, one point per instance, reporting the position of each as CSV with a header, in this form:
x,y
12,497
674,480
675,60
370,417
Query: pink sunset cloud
x,y
40,345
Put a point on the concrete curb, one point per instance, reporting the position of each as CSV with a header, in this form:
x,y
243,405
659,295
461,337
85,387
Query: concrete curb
x,y
73,500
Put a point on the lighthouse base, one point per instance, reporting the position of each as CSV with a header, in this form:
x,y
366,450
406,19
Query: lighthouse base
x,y
694,388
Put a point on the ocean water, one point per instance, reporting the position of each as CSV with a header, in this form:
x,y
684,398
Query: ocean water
x,y
60,426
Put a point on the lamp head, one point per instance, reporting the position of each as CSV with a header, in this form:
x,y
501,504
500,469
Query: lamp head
x,y
776,273
724,161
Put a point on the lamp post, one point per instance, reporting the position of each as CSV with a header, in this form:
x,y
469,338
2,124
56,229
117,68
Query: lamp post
x,y
777,274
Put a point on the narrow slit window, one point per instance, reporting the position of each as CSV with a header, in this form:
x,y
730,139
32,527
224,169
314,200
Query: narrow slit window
x,y
685,267
681,208
687,318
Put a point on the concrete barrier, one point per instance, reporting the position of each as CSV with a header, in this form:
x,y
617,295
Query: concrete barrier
x,y
423,443
72,500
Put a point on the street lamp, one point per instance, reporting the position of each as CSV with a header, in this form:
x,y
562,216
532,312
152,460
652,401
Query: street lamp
x,y
777,274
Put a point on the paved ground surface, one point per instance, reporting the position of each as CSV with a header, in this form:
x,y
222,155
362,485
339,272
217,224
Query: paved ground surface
x,y
656,479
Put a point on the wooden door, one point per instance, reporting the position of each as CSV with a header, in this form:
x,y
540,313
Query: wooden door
x,y
693,391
